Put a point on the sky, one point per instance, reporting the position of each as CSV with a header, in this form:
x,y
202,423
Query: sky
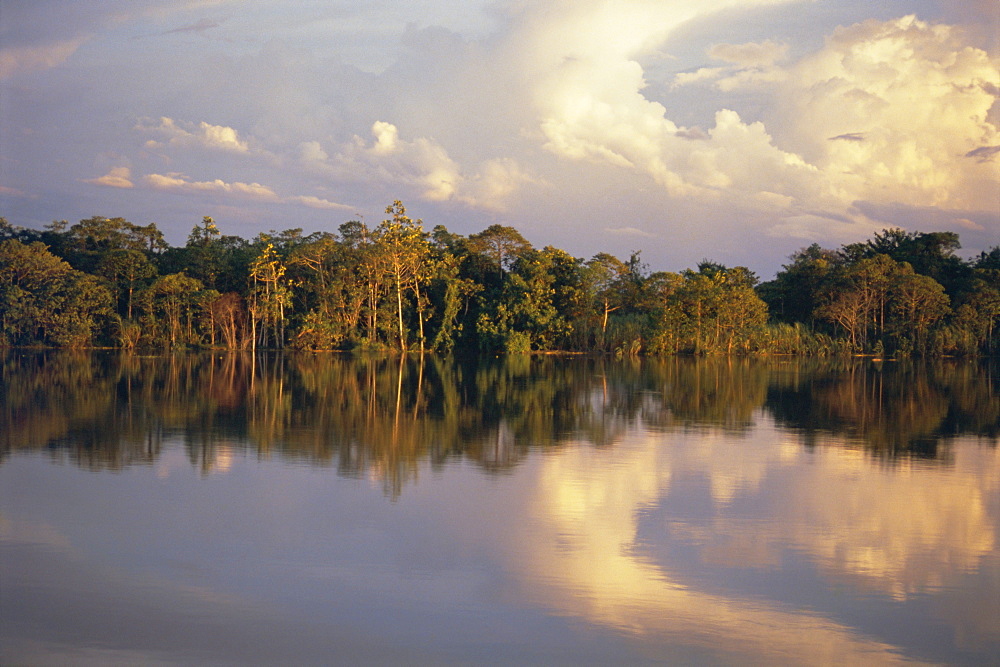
x,y
732,130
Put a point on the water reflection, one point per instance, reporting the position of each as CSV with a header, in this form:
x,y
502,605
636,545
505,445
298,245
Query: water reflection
x,y
773,511
379,416
585,558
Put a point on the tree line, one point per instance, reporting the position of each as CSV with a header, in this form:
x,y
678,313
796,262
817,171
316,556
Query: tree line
x,y
399,287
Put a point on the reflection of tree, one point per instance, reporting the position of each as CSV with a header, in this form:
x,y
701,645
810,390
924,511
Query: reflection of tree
x,y
892,409
381,416
67,403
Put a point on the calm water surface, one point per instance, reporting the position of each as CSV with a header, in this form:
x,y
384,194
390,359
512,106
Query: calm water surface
x,y
322,509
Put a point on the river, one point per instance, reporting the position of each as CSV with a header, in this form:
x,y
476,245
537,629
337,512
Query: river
x,y
326,509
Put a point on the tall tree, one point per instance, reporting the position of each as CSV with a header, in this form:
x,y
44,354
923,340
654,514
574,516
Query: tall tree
x,y
270,295
403,248
604,275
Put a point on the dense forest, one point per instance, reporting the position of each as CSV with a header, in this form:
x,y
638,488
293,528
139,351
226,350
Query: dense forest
x,y
398,287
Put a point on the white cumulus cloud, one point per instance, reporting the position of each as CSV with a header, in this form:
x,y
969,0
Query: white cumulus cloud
x,y
890,111
182,133
422,164
885,111
118,177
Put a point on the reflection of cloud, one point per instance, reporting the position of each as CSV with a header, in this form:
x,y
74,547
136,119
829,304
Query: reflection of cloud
x,y
580,557
902,530
899,530
223,459
39,534
171,459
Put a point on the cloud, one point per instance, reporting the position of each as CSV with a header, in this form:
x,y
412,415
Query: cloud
x,y
555,116
422,164
699,75
201,26
182,133
175,182
311,152
885,111
850,136
118,177
914,92
22,59
983,153
592,107
751,54
496,181
965,223
386,138
316,202
629,231
37,36
180,184
14,192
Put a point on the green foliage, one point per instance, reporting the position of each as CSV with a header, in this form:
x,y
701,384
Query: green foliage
x,y
398,287
44,301
171,308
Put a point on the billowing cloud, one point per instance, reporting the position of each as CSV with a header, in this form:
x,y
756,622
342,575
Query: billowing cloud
x,y
885,111
421,163
916,94
717,127
180,133
118,177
